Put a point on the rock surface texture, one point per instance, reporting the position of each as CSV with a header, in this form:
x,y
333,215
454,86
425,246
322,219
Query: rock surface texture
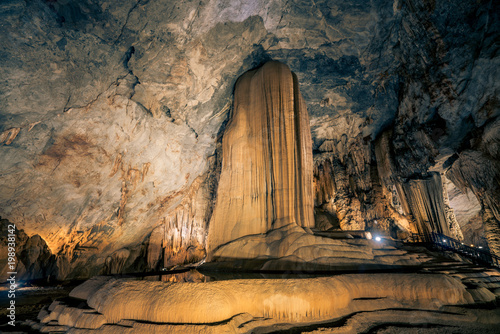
x,y
292,248
266,177
111,114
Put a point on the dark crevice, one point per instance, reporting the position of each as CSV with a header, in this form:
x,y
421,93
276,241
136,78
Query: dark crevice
x,y
192,129
66,108
216,167
402,326
126,21
128,56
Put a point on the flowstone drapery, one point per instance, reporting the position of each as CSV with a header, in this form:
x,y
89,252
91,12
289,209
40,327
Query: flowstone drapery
x,y
266,177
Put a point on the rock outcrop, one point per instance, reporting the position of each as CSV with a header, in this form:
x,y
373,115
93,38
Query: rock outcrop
x,y
33,259
266,176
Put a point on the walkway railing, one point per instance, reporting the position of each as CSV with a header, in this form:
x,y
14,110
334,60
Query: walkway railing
x,y
443,242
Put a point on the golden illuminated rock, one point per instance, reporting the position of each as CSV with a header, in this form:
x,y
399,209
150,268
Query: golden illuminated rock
x,y
425,198
294,300
266,176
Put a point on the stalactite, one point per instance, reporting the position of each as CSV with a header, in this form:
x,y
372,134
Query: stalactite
x,y
392,187
179,237
115,263
184,230
337,184
404,206
385,166
425,198
359,199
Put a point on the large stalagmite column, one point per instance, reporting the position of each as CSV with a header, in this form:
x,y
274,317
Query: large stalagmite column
x,y
266,176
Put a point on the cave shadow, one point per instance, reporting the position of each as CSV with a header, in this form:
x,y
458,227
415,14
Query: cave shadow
x,y
235,268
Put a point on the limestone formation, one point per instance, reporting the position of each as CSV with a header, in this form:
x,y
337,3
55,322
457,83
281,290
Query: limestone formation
x,y
451,219
354,186
480,172
425,198
443,293
264,207
292,248
295,300
266,176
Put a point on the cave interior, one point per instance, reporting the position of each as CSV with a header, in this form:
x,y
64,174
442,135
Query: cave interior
x,y
250,166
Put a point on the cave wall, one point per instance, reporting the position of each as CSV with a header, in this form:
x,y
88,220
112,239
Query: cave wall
x,y
111,113
467,210
446,122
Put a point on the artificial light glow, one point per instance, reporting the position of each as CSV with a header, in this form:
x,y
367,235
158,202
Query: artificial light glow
x,y
368,235
378,238
480,247
444,240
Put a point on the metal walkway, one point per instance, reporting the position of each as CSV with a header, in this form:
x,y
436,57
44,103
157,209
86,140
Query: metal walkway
x,y
444,243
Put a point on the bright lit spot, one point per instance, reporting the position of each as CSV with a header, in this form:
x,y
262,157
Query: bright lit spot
x,y
472,245
480,246
368,235
378,238
444,240
462,243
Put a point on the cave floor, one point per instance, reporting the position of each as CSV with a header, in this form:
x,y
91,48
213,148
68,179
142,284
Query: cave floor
x,y
29,300
480,317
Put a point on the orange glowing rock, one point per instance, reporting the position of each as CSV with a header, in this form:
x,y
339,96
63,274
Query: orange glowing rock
x,y
266,176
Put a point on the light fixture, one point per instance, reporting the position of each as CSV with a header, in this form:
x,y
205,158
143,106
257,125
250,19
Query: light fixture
x,y
444,240
378,238
480,247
